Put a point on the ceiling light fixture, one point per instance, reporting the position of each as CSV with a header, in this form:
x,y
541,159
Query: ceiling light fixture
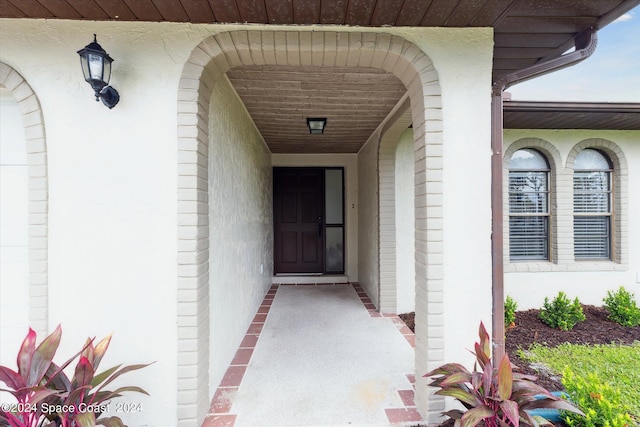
x,y
96,67
316,125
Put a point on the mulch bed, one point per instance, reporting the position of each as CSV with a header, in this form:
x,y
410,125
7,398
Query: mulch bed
x,y
408,319
595,329
528,329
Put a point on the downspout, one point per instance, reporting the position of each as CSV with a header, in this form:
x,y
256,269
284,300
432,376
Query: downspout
x,y
585,45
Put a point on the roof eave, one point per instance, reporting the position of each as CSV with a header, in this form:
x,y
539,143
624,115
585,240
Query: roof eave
x,y
574,107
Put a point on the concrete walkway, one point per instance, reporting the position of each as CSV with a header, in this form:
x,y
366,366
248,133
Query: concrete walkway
x,y
319,355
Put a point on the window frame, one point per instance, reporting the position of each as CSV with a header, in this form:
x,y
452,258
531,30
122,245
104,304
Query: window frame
x,y
561,186
547,256
609,215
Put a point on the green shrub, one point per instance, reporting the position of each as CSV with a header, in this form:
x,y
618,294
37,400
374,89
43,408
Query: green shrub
x,y
601,403
622,307
510,307
561,313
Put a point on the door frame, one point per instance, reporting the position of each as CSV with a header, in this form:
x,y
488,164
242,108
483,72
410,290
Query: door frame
x,y
324,221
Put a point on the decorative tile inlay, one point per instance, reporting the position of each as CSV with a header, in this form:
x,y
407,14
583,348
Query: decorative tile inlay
x,y
249,341
407,397
255,328
219,421
242,357
222,400
233,377
412,379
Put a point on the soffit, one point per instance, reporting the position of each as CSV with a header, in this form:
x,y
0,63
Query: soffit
x,y
571,115
526,31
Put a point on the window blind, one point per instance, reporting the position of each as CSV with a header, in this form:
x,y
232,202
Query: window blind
x,y
528,215
592,214
528,237
591,236
591,192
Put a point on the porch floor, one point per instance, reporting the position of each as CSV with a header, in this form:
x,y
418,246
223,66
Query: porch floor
x,y
319,355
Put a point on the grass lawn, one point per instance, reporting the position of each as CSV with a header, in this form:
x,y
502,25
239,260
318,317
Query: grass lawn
x,y
619,366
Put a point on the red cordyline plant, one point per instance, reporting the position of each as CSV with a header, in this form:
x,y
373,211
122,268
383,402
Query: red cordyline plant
x,y
495,397
45,395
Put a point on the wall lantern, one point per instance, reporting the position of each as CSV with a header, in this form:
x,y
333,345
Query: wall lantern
x,y
316,125
96,67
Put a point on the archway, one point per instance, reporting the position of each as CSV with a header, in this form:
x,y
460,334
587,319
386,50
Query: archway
x,y
206,65
38,194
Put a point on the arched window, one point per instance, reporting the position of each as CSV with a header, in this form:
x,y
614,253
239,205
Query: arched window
x,y
592,196
528,206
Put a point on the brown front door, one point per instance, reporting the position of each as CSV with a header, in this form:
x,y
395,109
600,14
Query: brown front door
x,y
298,222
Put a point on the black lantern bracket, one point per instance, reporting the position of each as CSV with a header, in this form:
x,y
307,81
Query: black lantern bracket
x,y
96,68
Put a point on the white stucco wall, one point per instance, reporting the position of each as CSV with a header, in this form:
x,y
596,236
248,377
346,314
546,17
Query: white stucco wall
x,y
113,207
463,60
14,233
112,191
405,225
368,219
241,231
583,279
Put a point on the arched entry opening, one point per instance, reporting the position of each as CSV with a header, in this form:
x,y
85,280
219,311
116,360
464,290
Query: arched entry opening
x,y
205,69
24,282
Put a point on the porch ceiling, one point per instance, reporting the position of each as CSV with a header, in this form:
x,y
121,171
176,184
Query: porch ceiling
x,y
526,32
280,98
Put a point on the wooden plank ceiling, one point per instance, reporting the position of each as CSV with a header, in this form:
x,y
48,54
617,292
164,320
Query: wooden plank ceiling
x,y
280,98
353,100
